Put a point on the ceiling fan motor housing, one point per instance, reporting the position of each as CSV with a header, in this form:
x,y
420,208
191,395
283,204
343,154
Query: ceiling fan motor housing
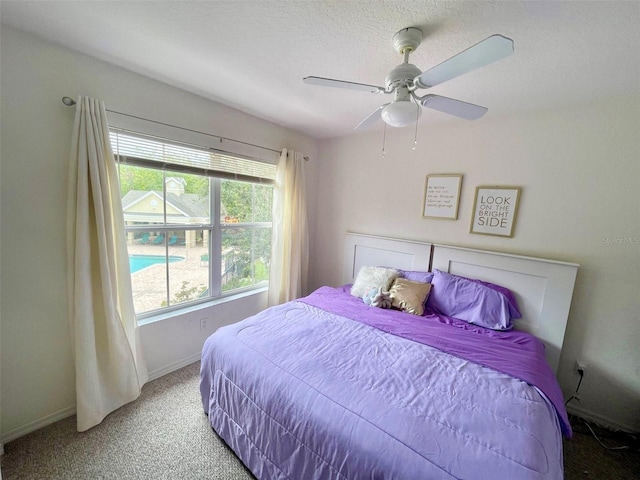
x,y
403,74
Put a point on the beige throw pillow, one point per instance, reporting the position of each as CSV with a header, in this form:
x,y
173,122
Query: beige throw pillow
x,y
409,296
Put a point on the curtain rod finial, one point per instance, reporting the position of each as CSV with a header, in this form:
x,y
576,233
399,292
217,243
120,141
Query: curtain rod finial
x,y
68,101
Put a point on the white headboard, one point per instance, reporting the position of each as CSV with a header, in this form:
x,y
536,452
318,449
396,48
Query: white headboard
x,y
368,250
543,288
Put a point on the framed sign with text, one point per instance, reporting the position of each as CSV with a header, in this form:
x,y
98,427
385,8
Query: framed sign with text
x,y
495,210
442,196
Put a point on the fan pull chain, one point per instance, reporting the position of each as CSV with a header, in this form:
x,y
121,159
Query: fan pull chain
x,y
384,141
415,133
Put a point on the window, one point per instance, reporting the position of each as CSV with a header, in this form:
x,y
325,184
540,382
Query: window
x,y
198,221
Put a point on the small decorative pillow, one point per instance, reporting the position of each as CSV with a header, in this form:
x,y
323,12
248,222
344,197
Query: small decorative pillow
x,y
468,300
373,277
409,296
377,298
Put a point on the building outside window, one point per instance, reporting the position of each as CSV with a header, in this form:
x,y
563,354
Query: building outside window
x,y
198,222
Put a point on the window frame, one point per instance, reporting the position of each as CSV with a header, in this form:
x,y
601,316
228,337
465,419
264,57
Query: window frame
x,y
215,227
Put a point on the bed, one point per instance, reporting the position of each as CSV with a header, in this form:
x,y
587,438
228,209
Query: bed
x,y
328,387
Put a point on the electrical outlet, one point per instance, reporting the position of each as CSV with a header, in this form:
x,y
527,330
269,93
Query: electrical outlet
x,y
203,324
579,368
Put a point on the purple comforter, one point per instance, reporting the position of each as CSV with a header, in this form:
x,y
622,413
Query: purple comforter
x,y
301,392
515,353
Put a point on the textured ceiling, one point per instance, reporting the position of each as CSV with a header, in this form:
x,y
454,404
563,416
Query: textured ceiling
x,y
252,55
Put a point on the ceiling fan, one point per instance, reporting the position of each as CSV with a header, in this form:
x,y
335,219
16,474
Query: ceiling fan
x,y
405,79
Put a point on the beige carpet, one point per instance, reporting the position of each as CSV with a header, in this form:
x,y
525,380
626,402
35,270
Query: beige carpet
x,y
162,435
165,435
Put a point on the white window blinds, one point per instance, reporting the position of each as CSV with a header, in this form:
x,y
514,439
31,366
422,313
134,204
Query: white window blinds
x,y
163,154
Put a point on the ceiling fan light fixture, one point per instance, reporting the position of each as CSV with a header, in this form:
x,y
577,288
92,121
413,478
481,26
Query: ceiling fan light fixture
x,y
401,113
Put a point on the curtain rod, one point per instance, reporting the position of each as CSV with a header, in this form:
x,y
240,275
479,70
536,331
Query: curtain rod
x,y
69,102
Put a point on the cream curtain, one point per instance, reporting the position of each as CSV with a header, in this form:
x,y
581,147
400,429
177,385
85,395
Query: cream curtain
x,y
290,239
110,369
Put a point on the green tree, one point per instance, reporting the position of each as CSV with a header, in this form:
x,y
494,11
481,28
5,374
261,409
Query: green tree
x,y
247,202
194,183
146,179
138,178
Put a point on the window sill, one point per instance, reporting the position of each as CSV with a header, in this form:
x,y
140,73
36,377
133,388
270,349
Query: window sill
x,y
201,306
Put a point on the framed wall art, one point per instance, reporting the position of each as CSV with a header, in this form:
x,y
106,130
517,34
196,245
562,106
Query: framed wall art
x,y
442,196
495,210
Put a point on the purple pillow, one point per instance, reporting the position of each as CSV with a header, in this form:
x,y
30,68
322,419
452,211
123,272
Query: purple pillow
x,y
469,300
513,303
414,276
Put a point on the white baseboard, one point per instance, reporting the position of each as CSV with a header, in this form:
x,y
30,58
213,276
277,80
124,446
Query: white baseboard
x,y
69,411
37,424
172,367
599,420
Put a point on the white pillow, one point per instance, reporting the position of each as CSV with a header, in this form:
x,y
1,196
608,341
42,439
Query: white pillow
x,y
373,277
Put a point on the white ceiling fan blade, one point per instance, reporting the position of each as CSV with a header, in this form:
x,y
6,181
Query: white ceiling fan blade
x,y
330,82
461,109
371,119
487,51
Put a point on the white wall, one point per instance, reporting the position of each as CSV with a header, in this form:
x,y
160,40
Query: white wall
x,y
578,169
37,371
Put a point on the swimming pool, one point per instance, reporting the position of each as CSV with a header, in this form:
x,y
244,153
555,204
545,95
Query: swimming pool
x,y
138,262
